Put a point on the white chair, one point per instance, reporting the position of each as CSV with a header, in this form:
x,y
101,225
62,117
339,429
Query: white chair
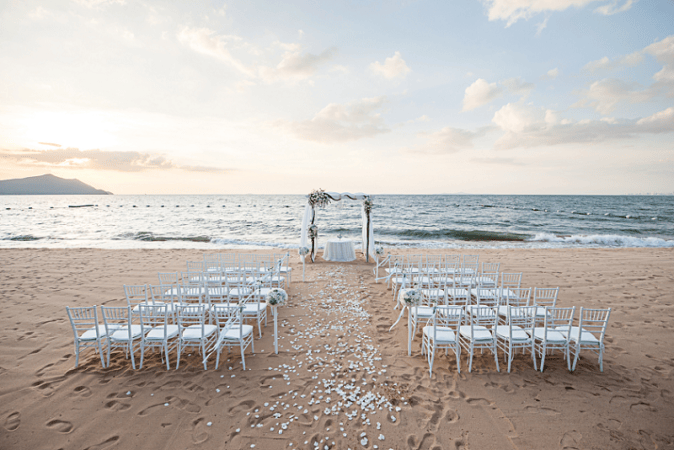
x,y
232,331
554,334
86,330
544,297
284,267
510,281
168,278
457,296
195,266
513,297
478,333
489,275
255,305
517,332
470,264
425,310
194,332
157,332
136,295
123,330
443,334
452,264
589,334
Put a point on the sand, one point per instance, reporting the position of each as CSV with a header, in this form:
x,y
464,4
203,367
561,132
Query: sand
x,y
343,317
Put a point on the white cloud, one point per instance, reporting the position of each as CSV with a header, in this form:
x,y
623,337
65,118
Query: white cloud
x,y
529,126
480,93
207,42
552,74
513,10
295,65
613,8
393,67
447,140
423,118
518,86
604,95
605,63
663,51
341,123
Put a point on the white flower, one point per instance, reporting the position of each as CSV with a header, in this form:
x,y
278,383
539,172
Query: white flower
x,y
304,251
277,297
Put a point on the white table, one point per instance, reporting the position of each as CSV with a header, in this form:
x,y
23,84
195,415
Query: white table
x,y
339,250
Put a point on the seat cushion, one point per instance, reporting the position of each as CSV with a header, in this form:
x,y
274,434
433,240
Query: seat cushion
x,y
540,311
233,333
586,338
443,335
239,292
193,332
434,293
519,335
157,333
122,333
252,308
480,333
423,312
90,334
554,336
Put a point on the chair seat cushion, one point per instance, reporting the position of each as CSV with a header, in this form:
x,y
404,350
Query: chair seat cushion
x,y
480,333
586,338
423,312
443,335
90,334
519,335
233,333
554,336
193,332
433,293
540,311
252,308
157,333
122,333
239,292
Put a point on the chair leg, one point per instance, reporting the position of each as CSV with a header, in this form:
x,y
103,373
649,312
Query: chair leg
x,y
142,355
543,352
100,353
457,352
431,354
133,360
77,354
243,357
180,348
496,357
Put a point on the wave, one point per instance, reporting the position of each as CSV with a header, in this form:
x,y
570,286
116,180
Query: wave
x,y
24,237
605,240
461,235
151,237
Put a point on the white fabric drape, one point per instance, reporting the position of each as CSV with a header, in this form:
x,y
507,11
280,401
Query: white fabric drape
x,y
305,227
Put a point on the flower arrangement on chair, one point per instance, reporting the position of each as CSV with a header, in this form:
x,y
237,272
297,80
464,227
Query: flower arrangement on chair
x,y
276,297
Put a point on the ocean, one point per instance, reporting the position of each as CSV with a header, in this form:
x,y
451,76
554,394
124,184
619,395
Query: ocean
x,y
263,221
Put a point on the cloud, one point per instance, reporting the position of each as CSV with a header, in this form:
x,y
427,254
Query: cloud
x,y
206,42
480,93
50,144
499,161
513,10
393,67
296,65
551,74
604,95
518,86
98,159
663,51
341,122
423,118
613,8
605,63
529,126
446,141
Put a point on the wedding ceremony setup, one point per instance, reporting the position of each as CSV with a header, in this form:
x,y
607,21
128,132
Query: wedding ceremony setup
x,y
336,249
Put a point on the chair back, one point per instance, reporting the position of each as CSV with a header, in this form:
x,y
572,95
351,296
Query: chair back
x,y
193,266
168,277
594,321
458,296
515,297
546,297
522,316
84,319
559,319
511,280
118,318
486,297
135,295
154,316
193,315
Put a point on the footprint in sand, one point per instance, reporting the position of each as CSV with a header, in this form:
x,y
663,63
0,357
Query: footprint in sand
x,y
13,421
570,440
114,405
60,425
479,402
82,391
198,430
542,411
427,442
108,443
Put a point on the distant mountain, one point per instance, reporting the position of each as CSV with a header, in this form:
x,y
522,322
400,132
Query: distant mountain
x,y
47,185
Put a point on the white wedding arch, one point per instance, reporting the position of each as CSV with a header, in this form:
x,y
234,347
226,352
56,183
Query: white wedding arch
x,y
320,199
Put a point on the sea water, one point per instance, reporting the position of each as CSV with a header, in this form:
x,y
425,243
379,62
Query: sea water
x,y
262,221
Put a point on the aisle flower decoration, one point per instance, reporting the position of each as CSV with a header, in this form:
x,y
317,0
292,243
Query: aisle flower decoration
x,y
277,297
379,251
319,198
412,297
303,251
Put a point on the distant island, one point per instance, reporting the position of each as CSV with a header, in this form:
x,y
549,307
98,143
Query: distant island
x,y
48,185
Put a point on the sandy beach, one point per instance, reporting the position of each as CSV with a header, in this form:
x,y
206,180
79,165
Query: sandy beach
x,y
335,347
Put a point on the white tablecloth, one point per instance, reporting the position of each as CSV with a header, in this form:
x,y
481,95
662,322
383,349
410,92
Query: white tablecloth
x,y
339,250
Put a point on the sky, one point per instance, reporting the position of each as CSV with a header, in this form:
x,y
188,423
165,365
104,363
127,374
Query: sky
x,y
386,97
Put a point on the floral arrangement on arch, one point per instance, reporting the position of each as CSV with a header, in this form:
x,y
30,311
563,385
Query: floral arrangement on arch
x,y
367,205
277,297
313,231
319,198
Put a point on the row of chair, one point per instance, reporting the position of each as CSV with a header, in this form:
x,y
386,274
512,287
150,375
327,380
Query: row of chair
x,y
153,328
472,327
